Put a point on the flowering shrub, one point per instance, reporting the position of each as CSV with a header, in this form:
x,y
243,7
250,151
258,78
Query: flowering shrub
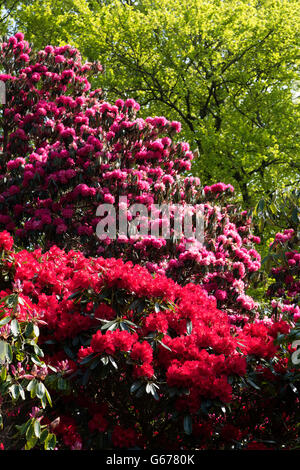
x,y
285,274
66,151
111,335
284,294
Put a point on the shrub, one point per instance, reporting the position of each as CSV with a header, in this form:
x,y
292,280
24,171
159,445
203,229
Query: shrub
x,y
66,151
113,335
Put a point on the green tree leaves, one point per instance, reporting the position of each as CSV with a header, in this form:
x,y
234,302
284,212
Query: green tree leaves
x,y
227,70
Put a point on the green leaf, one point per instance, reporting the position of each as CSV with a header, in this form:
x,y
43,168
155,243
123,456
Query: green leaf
x,y
40,390
165,346
140,391
189,327
9,353
31,386
188,424
15,327
295,390
31,443
111,325
95,363
50,442
295,216
4,321
3,351
44,435
15,391
86,377
38,350
48,396
44,402
123,326
205,406
3,374
62,384
130,323
250,381
22,393
36,330
261,205
105,360
151,388
36,361
37,428
6,353
74,295
28,330
135,386
113,362
22,429
87,359
69,352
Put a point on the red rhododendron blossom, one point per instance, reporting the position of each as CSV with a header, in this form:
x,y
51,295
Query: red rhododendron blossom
x,y
124,437
98,423
6,241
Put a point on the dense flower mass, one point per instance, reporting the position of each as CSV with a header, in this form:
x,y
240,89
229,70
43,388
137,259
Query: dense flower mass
x,y
115,333
66,151
137,340
284,289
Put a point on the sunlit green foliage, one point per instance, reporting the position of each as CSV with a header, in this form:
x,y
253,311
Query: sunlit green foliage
x,y
226,69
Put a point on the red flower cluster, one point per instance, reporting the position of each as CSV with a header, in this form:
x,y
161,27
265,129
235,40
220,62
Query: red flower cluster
x,y
119,334
124,437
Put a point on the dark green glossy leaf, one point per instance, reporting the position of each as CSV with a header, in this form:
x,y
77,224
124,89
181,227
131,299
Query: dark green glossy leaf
x,y
15,391
4,321
50,442
188,424
253,384
37,428
189,327
40,390
135,386
15,327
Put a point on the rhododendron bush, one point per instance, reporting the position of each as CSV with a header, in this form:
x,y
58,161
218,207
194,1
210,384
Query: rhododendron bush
x,y
284,289
66,151
84,341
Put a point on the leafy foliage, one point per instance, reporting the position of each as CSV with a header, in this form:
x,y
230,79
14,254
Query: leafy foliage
x,y
23,374
66,152
113,336
227,70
